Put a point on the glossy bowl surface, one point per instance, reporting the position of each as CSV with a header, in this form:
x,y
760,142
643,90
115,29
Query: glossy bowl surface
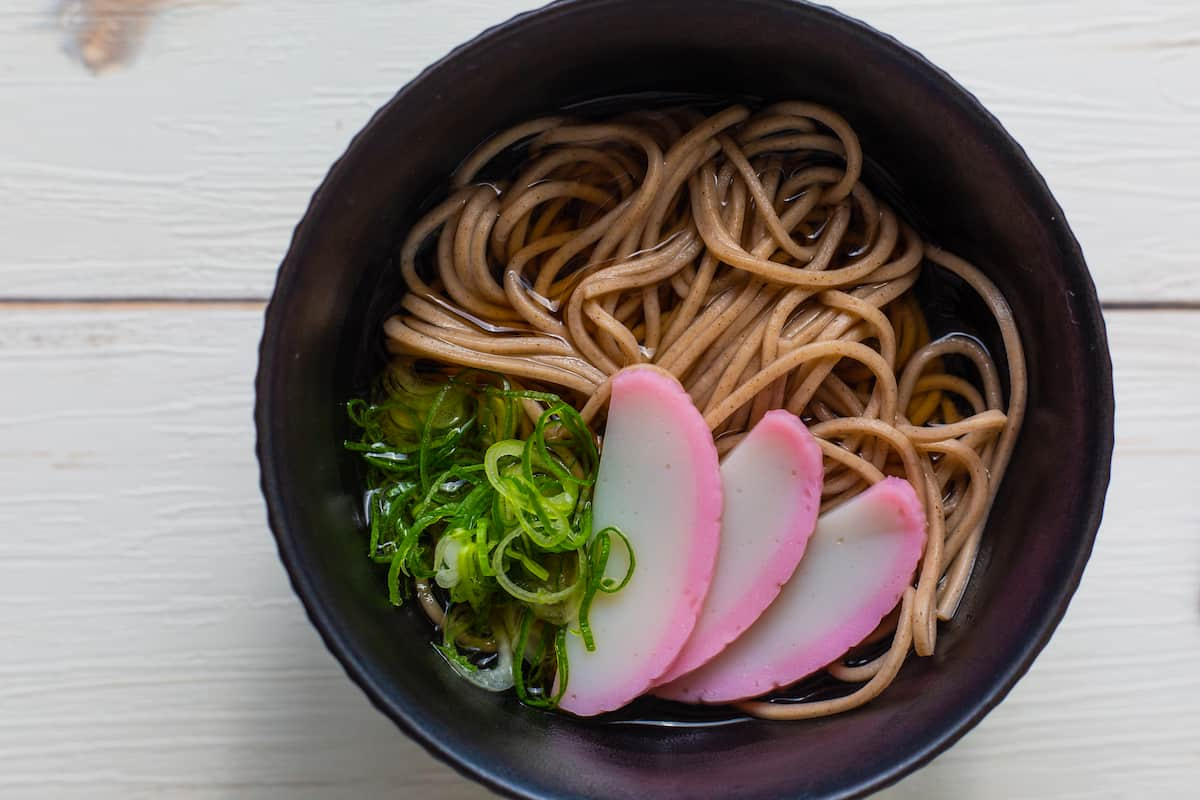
x,y
935,151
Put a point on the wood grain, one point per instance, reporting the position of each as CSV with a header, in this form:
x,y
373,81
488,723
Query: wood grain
x,y
183,174
152,646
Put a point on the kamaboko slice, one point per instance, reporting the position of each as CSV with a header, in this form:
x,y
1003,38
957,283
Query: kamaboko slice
x,y
853,573
772,483
659,485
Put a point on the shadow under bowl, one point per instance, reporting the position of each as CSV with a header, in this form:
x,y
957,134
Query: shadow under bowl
x,y
936,153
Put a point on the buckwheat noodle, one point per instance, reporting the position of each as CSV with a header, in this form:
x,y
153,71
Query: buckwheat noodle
x,y
742,253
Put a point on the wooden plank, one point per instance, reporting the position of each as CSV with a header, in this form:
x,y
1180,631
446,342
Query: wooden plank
x,y
152,645
183,175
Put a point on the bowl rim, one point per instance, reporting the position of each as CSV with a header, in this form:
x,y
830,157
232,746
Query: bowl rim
x,y
330,631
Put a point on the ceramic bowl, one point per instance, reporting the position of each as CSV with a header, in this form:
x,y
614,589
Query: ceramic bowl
x,y
935,152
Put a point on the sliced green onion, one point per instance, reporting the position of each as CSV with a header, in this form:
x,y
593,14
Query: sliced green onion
x,y
598,552
457,498
609,585
541,597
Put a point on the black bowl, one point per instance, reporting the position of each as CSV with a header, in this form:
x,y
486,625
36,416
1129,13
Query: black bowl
x,y
939,154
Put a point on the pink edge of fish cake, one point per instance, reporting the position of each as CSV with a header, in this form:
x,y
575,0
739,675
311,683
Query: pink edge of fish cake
x,y
746,595
655,388
768,657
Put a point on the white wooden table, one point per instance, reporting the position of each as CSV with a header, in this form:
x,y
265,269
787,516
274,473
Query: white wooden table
x,y
149,642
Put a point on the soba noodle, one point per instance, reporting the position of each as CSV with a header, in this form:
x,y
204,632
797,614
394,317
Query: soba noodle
x,y
742,253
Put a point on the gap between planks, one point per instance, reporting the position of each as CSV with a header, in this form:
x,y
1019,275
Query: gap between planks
x,y
130,303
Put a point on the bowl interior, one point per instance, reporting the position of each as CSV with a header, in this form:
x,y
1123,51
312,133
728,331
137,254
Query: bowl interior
x,y
934,152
